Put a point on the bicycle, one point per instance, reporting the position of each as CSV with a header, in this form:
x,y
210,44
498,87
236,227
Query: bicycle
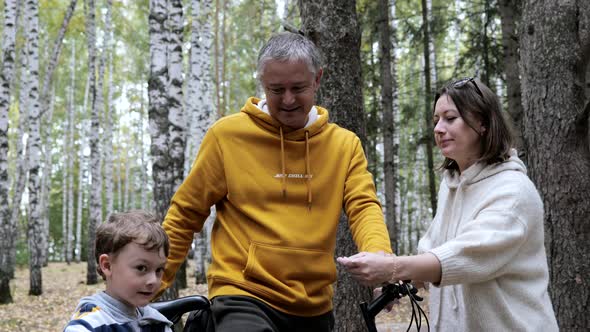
x,y
199,305
390,293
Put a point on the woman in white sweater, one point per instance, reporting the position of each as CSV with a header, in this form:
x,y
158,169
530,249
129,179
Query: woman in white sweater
x,y
484,251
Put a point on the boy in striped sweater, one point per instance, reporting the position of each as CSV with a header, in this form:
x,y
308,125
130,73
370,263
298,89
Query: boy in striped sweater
x,y
131,250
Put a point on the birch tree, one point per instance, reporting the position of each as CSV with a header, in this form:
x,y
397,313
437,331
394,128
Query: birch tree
x,y
47,173
165,104
107,140
35,226
56,51
176,129
20,174
199,107
95,191
82,165
6,75
70,159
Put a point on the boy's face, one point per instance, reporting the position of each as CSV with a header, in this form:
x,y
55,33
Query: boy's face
x,y
134,275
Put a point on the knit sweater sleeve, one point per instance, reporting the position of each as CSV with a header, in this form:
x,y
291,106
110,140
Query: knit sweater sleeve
x,y
362,207
487,245
190,206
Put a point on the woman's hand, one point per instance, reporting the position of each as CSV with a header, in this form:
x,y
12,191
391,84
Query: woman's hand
x,y
369,268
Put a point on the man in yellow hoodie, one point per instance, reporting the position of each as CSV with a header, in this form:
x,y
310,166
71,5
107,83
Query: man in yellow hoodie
x,y
279,175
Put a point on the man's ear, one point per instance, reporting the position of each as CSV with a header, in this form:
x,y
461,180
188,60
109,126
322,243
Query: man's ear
x,y
104,262
318,77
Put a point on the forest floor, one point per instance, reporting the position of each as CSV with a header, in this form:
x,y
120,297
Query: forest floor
x,y
64,285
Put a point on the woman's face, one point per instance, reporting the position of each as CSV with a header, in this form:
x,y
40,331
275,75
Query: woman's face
x,y
455,138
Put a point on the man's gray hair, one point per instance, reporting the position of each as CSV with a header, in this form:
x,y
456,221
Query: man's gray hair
x,y
288,46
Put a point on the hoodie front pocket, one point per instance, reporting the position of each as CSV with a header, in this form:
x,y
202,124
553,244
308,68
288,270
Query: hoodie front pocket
x,y
290,274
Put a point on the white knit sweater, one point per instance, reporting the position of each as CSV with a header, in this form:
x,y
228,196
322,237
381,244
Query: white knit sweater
x,y
488,235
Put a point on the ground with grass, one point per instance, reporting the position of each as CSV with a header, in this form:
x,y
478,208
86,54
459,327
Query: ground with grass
x,y
64,285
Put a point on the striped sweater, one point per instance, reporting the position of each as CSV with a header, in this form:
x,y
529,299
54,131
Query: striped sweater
x,y
103,313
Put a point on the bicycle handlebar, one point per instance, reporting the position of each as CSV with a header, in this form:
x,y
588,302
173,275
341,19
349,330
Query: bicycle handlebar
x,y
389,293
174,309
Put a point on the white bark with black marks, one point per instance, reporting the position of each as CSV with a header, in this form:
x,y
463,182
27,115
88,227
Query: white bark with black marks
x,y
95,183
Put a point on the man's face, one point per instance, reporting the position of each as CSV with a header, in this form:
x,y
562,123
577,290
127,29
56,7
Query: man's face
x,y
290,89
134,275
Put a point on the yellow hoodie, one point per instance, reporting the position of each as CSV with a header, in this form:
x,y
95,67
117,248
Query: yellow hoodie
x,y
279,196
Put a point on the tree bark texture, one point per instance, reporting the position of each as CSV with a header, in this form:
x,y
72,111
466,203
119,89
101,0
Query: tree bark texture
x,y
96,187
510,14
388,85
20,176
6,75
166,114
70,160
107,141
332,25
555,52
35,226
46,179
199,106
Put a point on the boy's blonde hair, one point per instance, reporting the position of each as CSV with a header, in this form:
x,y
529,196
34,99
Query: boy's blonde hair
x,y
122,228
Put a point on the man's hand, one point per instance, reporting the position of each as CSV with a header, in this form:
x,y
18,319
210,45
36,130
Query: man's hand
x,y
369,268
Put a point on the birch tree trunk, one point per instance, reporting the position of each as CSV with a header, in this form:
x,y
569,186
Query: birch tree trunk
x,y
47,173
333,26
428,91
64,195
199,107
20,176
176,129
35,226
81,188
555,53
107,140
70,159
95,191
388,88
6,75
199,100
143,167
126,183
56,51
161,112
81,169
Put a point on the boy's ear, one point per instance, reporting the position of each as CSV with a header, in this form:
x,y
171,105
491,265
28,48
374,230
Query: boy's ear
x,y
104,262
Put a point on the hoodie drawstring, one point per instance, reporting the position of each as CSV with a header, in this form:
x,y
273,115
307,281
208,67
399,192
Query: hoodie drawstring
x,y
284,177
307,170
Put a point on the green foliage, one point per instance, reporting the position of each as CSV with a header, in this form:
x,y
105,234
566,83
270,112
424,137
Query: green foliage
x,y
22,252
249,24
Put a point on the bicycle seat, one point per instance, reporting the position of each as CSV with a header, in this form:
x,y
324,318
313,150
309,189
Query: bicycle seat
x,y
174,309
